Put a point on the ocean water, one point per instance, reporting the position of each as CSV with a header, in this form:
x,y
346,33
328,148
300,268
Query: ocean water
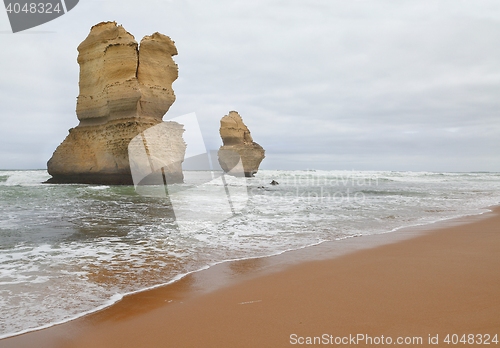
x,y
67,250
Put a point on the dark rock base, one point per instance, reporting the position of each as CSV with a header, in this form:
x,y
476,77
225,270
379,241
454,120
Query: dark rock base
x,y
96,179
114,179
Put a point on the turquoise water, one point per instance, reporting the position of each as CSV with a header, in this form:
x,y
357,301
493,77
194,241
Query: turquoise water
x,y
66,250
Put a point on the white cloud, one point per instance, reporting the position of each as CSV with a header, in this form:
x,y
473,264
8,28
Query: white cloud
x,y
333,83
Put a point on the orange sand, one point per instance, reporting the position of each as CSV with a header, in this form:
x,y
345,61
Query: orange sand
x,y
443,282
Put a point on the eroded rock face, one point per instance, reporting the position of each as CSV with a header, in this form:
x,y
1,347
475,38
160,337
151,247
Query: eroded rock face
x,y
154,155
124,90
156,73
238,144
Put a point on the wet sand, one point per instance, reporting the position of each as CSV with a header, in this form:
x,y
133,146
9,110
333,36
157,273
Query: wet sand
x,y
415,285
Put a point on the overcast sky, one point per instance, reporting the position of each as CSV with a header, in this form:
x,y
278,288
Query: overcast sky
x,y
363,85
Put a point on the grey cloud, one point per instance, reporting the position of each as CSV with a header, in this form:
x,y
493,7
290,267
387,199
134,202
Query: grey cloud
x,y
382,84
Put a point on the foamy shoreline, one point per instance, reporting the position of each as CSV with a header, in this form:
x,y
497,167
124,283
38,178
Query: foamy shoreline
x,y
323,250
71,250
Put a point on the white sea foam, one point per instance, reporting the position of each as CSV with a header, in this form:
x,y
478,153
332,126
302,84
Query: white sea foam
x,y
68,250
23,177
99,187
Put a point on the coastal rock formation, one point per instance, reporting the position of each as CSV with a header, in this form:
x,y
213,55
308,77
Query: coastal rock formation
x,y
124,90
156,155
238,144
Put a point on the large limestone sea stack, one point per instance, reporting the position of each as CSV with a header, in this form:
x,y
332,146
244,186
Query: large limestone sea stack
x,y
238,146
124,90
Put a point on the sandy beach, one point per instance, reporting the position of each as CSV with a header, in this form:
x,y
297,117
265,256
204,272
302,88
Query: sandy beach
x,y
412,288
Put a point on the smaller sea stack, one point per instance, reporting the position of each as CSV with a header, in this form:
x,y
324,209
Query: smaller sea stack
x,y
238,145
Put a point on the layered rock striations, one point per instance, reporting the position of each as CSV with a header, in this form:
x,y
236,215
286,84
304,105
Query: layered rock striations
x,y
124,90
156,155
238,145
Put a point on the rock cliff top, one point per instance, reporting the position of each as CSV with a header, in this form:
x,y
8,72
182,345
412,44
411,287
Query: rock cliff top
x,y
120,79
125,88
